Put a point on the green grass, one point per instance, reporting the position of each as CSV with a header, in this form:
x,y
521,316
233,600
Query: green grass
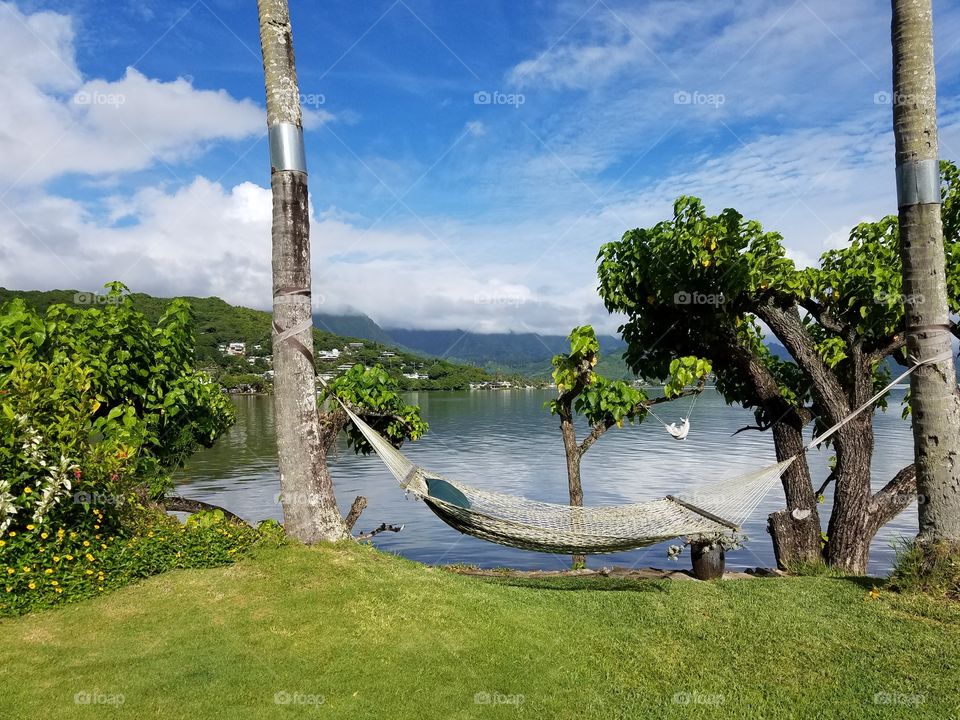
x,y
381,637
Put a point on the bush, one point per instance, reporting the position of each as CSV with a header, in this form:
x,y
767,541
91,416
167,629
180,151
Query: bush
x,y
929,568
96,404
46,567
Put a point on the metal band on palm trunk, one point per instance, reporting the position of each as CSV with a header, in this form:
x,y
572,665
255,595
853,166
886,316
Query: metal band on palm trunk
x,y
918,183
286,147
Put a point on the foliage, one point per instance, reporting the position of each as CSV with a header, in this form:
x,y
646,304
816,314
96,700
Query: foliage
x,y
374,395
214,322
692,285
605,401
48,566
727,541
928,568
94,405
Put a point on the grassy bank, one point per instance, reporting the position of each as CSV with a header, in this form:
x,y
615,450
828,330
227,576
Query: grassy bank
x,y
350,632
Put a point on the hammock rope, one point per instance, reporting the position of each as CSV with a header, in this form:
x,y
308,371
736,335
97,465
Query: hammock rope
x,y
717,507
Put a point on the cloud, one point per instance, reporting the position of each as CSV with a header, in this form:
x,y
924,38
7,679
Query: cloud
x,y
57,122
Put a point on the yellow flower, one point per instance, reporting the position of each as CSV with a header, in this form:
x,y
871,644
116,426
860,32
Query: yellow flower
x,y
10,571
69,557
27,490
29,527
9,588
54,583
44,536
12,534
96,527
89,557
60,533
26,568
103,546
86,543
2,543
100,588
32,586
88,572
48,571
59,590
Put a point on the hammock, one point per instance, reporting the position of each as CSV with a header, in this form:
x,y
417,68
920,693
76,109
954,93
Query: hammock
x,y
551,527
720,507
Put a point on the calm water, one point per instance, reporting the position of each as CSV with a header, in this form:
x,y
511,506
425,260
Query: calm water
x,y
507,441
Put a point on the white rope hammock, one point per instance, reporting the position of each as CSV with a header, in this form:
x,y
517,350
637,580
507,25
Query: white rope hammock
x,y
549,527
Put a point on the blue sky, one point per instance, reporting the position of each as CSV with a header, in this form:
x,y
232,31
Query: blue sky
x,y
467,159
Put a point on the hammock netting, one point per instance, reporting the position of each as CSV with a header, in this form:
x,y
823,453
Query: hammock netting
x,y
719,507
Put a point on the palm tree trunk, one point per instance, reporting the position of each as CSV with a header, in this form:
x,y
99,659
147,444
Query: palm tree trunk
x,y
934,400
310,510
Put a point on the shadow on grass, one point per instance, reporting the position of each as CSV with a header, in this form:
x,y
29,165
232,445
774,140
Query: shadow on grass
x,y
594,583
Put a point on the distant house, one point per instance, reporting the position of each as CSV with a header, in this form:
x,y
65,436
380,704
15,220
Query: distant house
x,y
344,367
387,354
328,354
237,348
353,346
416,376
257,347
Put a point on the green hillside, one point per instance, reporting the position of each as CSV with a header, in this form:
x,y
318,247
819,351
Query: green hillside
x,y
218,323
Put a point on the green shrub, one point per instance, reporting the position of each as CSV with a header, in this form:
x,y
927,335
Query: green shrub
x,y
96,404
47,567
930,568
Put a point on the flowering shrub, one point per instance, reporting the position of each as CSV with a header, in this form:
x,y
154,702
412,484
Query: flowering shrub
x,y
44,566
96,405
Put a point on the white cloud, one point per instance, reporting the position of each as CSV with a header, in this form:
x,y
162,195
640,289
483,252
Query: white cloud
x,y
57,122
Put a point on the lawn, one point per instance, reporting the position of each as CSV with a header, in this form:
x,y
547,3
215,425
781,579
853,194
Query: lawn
x,y
349,632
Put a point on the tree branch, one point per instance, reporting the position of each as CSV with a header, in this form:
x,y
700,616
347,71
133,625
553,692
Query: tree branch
x,y
894,497
601,427
175,503
887,347
383,527
823,316
359,504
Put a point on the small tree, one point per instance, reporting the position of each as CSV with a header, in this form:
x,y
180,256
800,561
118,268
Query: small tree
x,y
603,402
704,284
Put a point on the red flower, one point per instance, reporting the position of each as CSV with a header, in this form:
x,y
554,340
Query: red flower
x,y
76,473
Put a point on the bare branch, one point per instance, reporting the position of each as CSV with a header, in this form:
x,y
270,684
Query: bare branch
x,y
383,527
894,497
175,503
359,504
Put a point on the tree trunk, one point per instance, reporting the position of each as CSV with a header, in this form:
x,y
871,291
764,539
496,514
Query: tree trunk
x,y
572,452
934,400
795,531
852,527
309,507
